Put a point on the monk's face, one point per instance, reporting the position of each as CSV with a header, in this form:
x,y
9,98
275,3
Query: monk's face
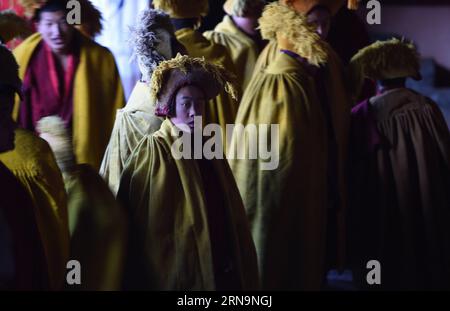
x,y
189,103
6,121
55,30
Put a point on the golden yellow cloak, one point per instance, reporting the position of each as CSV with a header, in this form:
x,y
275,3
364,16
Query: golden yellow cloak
x,y
97,228
221,110
97,95
244,51
340,104
33,163
132,123
286,206
170,247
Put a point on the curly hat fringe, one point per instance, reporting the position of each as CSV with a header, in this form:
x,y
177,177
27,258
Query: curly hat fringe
x,y
383,60
184,63
279,18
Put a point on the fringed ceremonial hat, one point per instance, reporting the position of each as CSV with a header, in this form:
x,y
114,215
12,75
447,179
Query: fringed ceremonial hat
x,y
243,7
385,60
281,19
144,40
183,8
181,71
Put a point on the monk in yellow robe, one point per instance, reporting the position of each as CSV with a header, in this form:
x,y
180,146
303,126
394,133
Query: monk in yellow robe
x,y
336,104
33,163
186,16
24,266
67,74
400,164
239,34
288,207
188,228
152,40
96,221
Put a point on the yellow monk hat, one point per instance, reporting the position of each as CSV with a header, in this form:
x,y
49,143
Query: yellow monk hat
x,y
389,59
183,8
384,60
279,19
243,7
333,5
181,71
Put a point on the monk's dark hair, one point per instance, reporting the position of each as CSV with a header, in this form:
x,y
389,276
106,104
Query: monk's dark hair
x,y
51,6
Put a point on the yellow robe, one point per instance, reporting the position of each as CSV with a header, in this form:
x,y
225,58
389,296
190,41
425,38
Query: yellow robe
x,y
97,229
97,95
170,247
243,50
340,107
286,207
33,163
133,122
221,110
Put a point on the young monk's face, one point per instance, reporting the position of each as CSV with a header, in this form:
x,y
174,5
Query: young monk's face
x,y
6,121
55,30
189,103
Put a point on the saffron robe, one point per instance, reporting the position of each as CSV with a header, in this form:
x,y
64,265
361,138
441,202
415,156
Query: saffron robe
x,y
21,247
400,211
170,244
97,226
97,95
287,206
132,123
337,102
34,165
244,51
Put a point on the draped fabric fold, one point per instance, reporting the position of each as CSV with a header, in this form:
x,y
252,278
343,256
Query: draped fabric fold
x,y
170,242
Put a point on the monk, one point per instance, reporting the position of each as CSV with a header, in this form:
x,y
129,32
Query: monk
x,y
186,17
289,207
152,41
32,162
239,33
97,223
24,266
188,228
67,74
400,164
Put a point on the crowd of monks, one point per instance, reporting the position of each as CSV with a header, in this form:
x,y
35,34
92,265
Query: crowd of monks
x,y
363,171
